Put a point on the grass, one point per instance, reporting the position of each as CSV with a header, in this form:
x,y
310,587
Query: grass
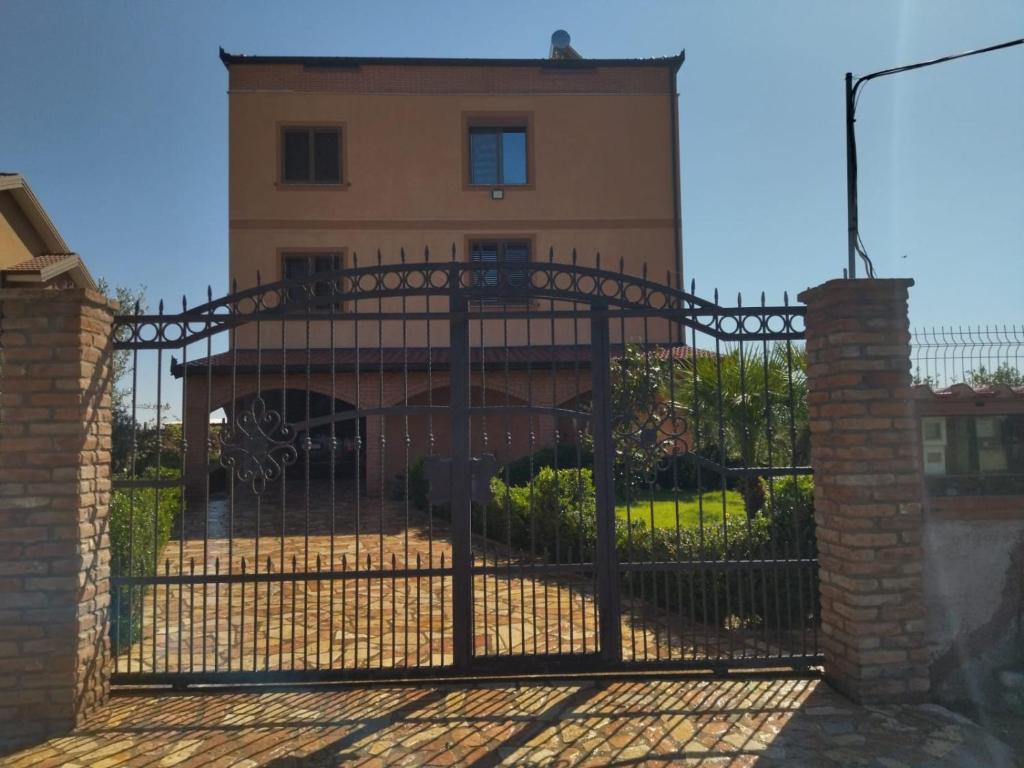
x,y
689,508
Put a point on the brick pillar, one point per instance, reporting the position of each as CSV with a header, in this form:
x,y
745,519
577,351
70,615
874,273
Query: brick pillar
x,y
55,432
868,487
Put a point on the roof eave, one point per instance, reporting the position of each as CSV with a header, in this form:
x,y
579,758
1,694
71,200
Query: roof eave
x,y
27,201
229,59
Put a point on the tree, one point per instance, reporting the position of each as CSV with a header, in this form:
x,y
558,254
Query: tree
x,y
1005,375
751,405
125,430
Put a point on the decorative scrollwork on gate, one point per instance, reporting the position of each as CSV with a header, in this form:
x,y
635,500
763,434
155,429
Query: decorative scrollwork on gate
x,y
258,446
647,441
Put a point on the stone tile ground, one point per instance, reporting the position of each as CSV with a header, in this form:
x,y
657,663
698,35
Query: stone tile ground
x,y
377,621
732,723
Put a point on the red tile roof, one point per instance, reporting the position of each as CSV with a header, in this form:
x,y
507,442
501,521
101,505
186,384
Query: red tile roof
x,y
39,263
967,392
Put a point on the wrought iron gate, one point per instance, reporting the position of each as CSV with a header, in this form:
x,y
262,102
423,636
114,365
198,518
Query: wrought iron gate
x,y
442,468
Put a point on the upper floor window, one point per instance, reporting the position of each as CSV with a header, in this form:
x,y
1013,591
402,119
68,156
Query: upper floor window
x,y
506,262
298,266
497,154
311,155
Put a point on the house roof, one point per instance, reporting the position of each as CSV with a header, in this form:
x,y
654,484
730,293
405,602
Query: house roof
x,y
16,185
539,357
46,267
342,62
967,392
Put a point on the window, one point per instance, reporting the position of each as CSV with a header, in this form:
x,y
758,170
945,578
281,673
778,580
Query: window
x,y
311,155
509,259
301,265
973,455
497,155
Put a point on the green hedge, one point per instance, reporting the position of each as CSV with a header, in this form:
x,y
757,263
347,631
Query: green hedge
x,y
556,514
563,456
141,521
559,511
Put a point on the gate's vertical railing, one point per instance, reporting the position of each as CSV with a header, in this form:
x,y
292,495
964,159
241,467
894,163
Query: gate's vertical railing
x,y
610,613
462,553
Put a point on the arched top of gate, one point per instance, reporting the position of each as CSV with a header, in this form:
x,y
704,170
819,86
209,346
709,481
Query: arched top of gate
x,y
347,294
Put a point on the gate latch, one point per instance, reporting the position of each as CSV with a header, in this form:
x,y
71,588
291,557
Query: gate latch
x,y
438,471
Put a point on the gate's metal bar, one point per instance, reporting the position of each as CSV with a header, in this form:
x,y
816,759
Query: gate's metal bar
x,y
259,504
462,555
558,495
382,455
307,446
607,554
181,507
479,307
772,544
333,490
156,506
430,507
508,511
405,543
357,375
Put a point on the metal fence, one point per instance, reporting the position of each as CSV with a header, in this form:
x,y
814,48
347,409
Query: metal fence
x,y
454,468
978,355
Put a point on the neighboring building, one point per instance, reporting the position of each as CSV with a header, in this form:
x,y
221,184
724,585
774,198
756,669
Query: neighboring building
x,y
32,251
502,160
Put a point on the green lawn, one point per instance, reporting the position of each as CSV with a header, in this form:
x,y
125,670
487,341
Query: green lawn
x,y
689,508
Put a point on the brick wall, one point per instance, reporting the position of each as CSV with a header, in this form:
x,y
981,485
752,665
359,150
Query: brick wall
x,y
55,388
868,491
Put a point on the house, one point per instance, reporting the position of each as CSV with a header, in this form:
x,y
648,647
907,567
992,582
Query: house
x,y
32,251
334,160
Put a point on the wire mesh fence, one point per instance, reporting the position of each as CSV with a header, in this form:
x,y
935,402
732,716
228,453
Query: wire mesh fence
x,y
974,355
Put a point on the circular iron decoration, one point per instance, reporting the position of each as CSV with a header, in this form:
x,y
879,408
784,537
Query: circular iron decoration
x,y
258,447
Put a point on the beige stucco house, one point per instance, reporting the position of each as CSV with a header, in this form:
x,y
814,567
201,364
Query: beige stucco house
x,y
334,159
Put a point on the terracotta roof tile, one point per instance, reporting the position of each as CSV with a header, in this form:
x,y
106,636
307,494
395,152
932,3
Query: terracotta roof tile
x,y
41,262
967,392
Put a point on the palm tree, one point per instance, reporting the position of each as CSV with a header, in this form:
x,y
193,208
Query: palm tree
x,y
749,403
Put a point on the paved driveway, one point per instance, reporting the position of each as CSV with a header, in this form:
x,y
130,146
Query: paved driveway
x,y
377,621
655,722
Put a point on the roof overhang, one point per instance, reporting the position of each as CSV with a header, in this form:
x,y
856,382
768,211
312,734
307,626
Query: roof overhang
x,y
44,269
352,62
15,185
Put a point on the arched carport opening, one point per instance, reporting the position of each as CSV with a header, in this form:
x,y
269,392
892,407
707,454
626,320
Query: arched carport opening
x,y
313,413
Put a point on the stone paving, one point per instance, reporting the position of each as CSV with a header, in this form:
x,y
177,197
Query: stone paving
x,y
736,723
376,620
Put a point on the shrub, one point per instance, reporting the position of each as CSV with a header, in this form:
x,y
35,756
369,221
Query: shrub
x,y
561,507
789,505
141,521
776,596
564,455
557,512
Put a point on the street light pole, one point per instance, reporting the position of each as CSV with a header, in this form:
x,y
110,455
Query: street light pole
x,y
854,246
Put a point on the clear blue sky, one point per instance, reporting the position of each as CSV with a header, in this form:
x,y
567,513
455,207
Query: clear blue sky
x,y
117,114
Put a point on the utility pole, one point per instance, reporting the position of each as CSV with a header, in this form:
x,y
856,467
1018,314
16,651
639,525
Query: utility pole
x,y
854,246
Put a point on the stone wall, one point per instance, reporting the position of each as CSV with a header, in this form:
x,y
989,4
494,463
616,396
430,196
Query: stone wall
x,y
55,431
973,567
